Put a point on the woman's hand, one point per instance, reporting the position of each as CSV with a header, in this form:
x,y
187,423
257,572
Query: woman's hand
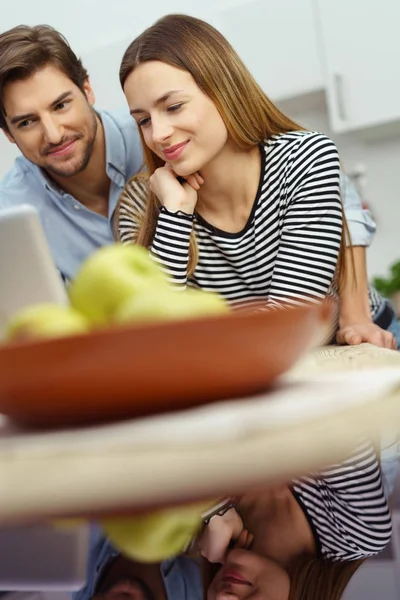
x,y
173,194
358,333
221,534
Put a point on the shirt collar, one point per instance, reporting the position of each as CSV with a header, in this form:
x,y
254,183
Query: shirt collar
x,y
182,578
115,148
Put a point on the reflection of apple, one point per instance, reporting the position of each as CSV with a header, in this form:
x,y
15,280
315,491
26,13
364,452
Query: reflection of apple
x,y
45,321
161,304
109,277
155,536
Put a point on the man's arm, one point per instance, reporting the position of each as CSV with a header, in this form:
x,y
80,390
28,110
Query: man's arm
x,y
355,321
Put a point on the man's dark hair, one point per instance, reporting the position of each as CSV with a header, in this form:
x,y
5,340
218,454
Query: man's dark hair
x,y
25,50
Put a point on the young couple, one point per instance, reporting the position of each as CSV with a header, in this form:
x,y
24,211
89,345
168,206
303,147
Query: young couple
x,y
236,198
260,215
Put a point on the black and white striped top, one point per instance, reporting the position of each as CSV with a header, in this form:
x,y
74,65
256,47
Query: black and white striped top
x,y
287,251
346,507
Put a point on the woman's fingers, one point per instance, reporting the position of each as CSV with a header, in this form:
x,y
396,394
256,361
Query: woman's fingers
x,y
244,540
195,180
199,178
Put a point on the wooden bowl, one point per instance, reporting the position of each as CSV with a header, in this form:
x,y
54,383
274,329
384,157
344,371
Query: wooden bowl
x,y
125,372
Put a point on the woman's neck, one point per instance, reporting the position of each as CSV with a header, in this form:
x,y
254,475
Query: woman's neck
x,y
230,187
280,528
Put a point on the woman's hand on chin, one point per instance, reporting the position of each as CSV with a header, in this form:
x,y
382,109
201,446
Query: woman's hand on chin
x,y
222,534
176,193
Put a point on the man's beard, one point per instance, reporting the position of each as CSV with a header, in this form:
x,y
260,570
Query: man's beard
x,y
74,169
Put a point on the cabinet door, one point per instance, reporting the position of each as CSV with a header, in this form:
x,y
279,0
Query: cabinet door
x,y
277,40
360,43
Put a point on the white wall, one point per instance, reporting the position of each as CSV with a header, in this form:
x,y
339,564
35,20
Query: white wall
x,y
381,156
99,33
92,24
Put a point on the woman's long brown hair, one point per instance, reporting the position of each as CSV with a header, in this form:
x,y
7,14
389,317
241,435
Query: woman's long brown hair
x,y
317,579
250,117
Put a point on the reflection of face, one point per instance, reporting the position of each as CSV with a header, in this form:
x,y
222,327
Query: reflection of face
x,y
51,121
178,121
249,575
125,579
126,590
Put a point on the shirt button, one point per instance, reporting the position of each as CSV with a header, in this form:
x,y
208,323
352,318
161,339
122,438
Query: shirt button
x,y
77,207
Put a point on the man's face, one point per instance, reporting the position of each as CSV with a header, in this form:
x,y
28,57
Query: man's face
x,y
52,121
126,579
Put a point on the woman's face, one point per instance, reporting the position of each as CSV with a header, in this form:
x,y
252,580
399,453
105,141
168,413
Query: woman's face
x,y
180,124
247,575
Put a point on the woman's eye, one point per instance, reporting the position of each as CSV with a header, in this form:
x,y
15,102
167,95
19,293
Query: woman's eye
x,y
174,107
144,122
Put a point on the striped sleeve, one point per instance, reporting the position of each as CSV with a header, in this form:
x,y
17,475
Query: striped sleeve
x,y
346,506
170,246
312,224
130,210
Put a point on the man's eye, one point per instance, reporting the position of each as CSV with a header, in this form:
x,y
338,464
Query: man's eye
x,y
61,105
24,124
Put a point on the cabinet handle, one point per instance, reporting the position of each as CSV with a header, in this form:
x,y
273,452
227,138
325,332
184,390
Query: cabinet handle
x,y
341,108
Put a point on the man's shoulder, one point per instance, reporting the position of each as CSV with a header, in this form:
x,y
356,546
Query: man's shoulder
x,y
122,139
18,184
120,117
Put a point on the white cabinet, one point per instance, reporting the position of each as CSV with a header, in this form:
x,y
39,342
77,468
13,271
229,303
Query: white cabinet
x,y
277,40
360,43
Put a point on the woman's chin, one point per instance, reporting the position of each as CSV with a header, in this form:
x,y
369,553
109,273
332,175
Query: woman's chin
x,y
181,171
185,168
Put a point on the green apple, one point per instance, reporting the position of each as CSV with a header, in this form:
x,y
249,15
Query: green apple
x,y
155,536
45,321
109,277
167,304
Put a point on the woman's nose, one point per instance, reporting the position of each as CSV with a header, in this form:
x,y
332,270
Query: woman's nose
x,y
161,130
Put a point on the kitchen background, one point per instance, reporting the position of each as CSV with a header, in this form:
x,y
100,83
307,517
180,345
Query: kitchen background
x,y
332,65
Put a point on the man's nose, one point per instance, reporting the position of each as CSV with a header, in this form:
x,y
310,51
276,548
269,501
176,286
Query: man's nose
x,y
53,131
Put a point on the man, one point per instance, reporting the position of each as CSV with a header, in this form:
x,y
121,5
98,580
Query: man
x,y
110,576
75,160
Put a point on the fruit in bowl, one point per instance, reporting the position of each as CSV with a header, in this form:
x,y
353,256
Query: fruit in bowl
x,y
117,284
157,535
45,321
165,304
109,277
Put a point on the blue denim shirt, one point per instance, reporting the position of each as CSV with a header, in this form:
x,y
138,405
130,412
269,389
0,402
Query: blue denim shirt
x,y
181,575
362,227
73,231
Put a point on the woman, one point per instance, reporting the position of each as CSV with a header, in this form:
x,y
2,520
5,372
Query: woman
x,y
243,201
306,540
